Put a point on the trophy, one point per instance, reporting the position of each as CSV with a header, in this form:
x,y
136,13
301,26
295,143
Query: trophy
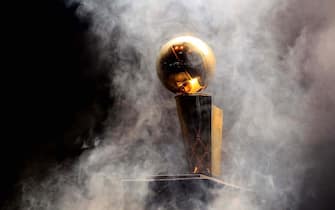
x,y
185,65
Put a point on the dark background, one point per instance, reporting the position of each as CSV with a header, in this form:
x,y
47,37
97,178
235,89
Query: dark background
x,y
56,100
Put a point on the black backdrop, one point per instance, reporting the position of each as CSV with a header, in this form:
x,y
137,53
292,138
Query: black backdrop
x,y
54,98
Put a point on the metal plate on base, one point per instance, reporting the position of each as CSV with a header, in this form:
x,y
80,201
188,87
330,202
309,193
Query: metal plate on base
x,y
186,192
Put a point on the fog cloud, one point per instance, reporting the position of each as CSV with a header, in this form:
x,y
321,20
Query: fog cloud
x,y
274,79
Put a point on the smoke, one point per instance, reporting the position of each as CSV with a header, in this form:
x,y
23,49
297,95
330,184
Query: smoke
x,y
274,80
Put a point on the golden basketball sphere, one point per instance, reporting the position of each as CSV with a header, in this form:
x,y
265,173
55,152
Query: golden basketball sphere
x,y
185,64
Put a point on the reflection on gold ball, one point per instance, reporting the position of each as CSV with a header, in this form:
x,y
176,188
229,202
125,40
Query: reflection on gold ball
x,y
185,64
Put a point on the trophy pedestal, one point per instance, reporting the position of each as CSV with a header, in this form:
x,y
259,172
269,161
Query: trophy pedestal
x,y
187,192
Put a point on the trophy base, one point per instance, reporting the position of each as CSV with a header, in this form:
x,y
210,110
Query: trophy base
x,y
187,192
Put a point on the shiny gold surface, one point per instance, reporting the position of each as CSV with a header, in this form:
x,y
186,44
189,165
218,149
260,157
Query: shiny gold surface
x,y
185,65
216,140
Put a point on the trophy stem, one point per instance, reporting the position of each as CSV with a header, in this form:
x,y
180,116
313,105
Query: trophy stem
x,y
201,125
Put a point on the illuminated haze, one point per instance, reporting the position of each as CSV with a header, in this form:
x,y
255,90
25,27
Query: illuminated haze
x,y
274,79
